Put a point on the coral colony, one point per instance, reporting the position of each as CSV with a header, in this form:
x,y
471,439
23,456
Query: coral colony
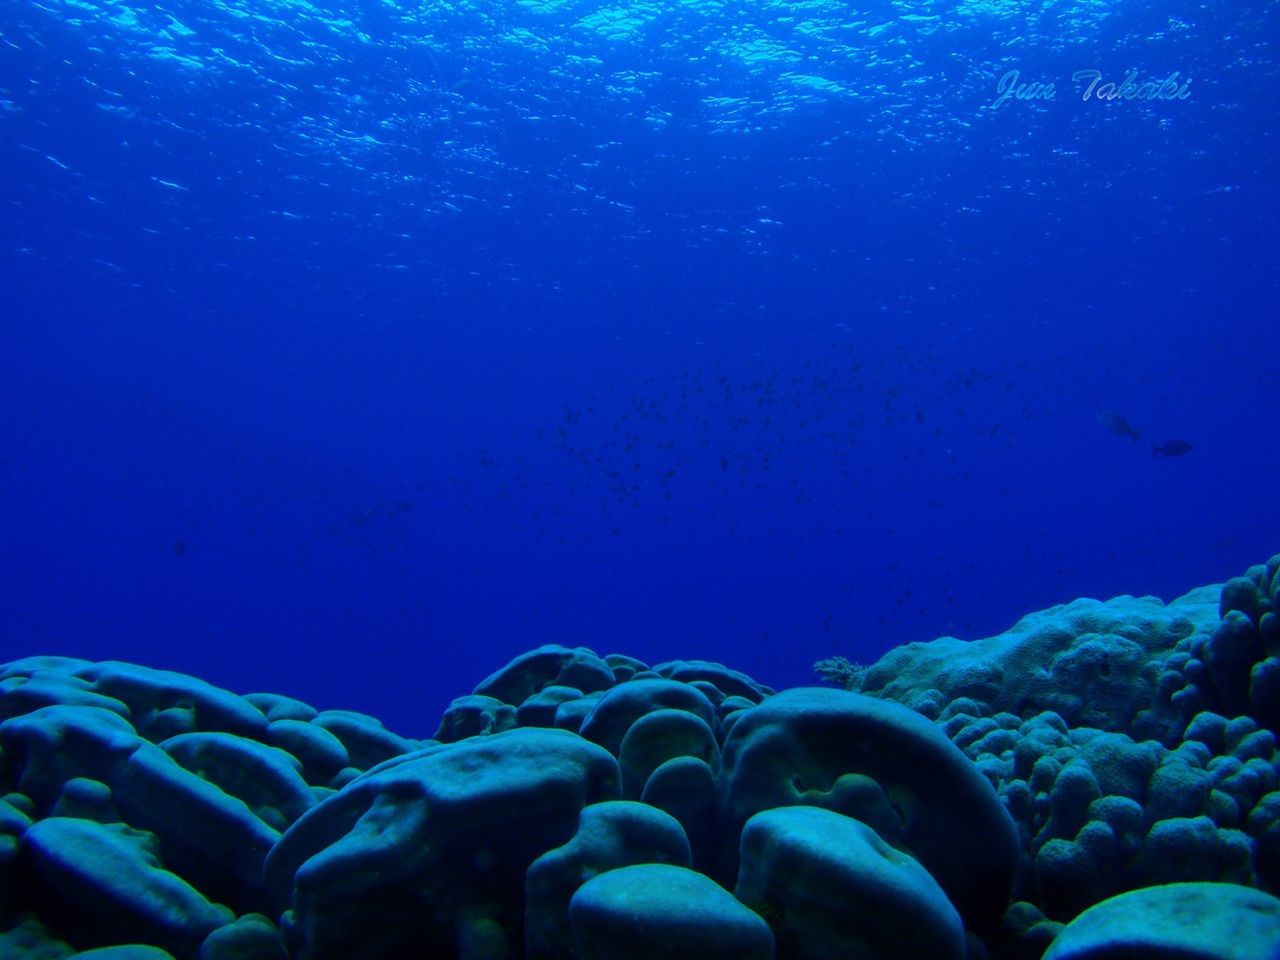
x,y
1098,782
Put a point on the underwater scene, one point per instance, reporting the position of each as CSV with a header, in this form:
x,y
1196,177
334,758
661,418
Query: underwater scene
x,y
616,479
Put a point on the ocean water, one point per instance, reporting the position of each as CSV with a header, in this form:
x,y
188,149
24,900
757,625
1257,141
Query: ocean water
x,y
348,350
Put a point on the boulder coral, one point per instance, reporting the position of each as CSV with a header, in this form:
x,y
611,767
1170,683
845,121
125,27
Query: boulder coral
x,y
834,888
1204,921
884,765
1169,777
657,910
1101,781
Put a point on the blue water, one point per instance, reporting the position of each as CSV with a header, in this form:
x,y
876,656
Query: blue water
x,y
349,350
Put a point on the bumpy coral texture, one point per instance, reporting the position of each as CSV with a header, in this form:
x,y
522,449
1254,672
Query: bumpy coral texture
x,y
997,798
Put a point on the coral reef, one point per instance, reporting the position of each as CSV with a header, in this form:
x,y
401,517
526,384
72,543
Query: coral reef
x,y
1100,781
1133,742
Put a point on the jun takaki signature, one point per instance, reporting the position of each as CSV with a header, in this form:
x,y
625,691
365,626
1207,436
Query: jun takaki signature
x,y
1093,87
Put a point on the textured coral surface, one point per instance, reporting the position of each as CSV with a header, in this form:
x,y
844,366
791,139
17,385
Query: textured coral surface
x,y
1098,782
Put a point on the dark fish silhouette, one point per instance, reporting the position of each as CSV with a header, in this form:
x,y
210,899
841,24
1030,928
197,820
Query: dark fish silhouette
x,y
179,546
1117,425
1174,448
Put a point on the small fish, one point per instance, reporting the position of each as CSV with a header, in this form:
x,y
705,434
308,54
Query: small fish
x,y
179,546
1118,425
1174,448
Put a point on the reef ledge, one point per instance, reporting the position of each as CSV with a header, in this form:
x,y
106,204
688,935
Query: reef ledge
x,y
1099,781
